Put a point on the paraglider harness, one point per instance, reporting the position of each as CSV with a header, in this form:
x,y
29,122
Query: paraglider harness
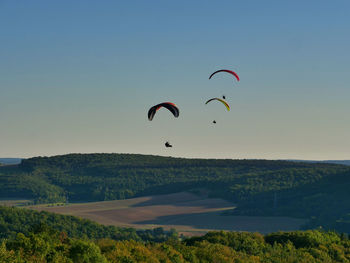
x,y
167,144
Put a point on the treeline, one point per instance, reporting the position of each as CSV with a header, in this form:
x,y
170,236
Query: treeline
x,y
318,191
47,245
17,220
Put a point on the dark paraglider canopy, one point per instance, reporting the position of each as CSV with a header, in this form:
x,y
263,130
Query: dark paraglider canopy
x,y
225,70
167,144
168,105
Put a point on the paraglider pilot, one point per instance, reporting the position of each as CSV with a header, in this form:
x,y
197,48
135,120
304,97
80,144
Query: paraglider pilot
x,y
167,144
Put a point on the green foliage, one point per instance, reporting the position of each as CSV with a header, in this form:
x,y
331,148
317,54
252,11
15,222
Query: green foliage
x,y
85,251
304,239
250,243
47,245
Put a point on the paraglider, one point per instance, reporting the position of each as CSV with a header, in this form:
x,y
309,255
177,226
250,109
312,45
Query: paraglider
x,y
222,101
168,105
225,70
224,97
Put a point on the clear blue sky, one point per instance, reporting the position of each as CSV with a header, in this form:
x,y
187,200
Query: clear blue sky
x,y
79,76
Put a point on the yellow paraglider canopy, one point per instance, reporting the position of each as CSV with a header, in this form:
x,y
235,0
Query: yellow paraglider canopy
x,y
222,101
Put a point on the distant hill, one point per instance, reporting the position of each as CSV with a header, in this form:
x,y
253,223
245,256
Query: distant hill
x,y
318,191
343,162
8,161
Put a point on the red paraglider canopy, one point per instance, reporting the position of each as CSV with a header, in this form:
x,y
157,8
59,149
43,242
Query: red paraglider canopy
x,y
226,70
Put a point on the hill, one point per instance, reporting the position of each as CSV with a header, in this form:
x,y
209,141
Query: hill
x,y
318,191
9,161
343,162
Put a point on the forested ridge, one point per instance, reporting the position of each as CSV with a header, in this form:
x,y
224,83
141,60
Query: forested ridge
x,y
16,220
317,191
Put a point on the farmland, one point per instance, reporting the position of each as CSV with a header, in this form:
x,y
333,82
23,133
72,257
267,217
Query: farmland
x,y
188,213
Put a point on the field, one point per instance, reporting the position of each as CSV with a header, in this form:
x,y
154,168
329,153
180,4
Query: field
x,y
188,213
14,202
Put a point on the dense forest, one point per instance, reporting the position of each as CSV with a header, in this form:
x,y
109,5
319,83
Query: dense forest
x,y
318,191
45,244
